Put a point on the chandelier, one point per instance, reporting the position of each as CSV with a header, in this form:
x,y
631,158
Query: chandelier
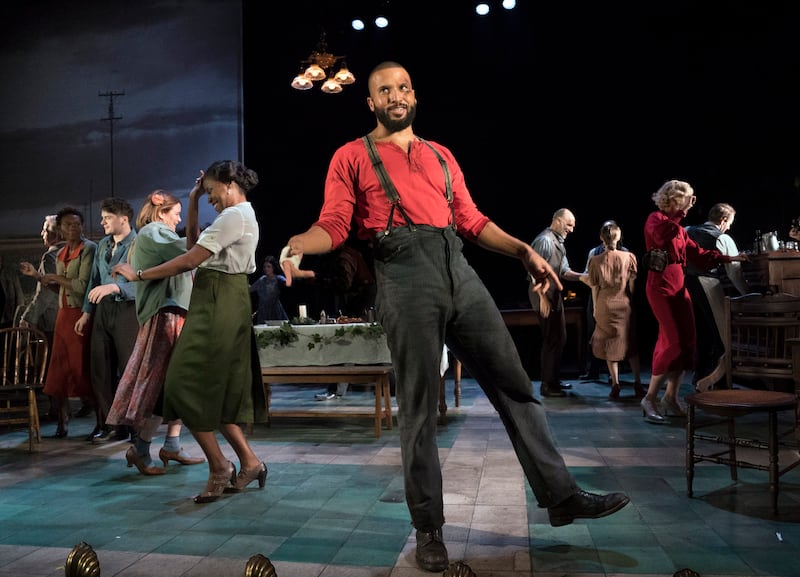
x,y
319,66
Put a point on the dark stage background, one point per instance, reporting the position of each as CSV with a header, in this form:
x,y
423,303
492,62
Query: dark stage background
x,y
581,105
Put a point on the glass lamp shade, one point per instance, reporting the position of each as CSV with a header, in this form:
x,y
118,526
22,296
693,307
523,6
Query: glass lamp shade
x,y
315,72
300,82
331,86
344,76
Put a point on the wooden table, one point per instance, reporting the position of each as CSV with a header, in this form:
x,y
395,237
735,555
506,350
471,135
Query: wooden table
x,y
575,316
317,354
776,271
358,374
321,345
333,353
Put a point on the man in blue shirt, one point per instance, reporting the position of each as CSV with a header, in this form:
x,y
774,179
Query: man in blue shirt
x,y
109,312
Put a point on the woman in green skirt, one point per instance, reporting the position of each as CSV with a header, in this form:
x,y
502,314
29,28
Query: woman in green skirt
x,y
213,374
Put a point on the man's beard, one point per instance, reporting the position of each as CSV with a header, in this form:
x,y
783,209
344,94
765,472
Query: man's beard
x,y
397,125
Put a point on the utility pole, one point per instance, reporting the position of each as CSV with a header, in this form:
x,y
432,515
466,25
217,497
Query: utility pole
x,y
91,218
110,119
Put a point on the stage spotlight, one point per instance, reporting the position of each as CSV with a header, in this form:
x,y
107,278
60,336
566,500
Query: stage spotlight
x,y
482,9
509,4
381,21
357,24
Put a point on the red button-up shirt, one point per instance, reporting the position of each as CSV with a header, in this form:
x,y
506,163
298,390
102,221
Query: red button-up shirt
x,y
352,190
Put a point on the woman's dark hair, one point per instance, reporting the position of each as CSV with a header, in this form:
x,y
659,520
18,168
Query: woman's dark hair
x,y
611,234
276,268
67,210
227,171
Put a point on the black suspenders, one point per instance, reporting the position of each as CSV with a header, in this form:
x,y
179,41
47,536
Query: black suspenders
x,y
391,191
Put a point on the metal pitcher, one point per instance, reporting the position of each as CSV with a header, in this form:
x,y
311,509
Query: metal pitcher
x,y
769,241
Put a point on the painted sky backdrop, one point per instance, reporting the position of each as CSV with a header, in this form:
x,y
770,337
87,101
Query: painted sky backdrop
x,y
178,64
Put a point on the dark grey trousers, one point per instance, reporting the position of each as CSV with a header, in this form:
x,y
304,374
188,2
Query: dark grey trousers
x,y
429,295
554,337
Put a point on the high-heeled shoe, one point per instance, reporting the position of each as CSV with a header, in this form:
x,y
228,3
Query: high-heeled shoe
x,y
63,426
217,483
134,458
672,407
246,477
614,394
98,431
650,413
181,456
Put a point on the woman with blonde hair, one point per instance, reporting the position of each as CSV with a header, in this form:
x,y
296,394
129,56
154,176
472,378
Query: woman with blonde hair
x,y
674,351
161,306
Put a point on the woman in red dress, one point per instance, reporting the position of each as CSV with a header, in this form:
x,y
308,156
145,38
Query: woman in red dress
x,y
670,301
68,371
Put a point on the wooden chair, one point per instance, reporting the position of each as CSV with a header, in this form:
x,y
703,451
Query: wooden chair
x,y
762,342
729,405
24,360
758,338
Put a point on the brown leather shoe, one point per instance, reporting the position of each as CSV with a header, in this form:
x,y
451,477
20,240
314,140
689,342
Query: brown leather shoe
x,y
431,553
134,459
182,457
244,478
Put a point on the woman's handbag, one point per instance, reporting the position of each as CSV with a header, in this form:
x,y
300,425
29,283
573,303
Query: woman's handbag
x,y
655,260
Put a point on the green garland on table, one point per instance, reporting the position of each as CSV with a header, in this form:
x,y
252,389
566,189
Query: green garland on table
x,y
285,335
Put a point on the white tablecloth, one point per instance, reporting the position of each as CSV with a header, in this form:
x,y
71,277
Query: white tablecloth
x,y
329,348
332,350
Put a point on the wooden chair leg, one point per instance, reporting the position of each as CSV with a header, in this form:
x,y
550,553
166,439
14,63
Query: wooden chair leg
x,y
34,430
442,400
378,407
457,379
794,344
387,400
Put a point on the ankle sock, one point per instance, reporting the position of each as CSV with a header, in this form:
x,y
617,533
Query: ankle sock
x,y
142,448
172,444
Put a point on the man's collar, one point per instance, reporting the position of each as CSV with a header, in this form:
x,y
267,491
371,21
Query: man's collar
x,y
558,235
123,239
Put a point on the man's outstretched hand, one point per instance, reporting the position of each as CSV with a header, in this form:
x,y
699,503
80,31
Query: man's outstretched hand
x,y
290,264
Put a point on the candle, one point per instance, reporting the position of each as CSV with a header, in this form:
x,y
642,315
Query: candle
x,y
303,311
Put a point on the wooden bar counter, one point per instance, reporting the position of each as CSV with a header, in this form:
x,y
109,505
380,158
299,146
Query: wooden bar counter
x,y
775,271
574,314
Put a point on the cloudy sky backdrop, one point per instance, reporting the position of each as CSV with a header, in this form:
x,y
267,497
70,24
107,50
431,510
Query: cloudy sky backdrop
x,y
178,64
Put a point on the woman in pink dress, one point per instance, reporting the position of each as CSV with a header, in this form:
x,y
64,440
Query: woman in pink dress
x,y
611,275
161,307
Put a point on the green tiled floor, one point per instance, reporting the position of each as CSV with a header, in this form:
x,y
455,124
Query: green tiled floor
x,y
334,506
